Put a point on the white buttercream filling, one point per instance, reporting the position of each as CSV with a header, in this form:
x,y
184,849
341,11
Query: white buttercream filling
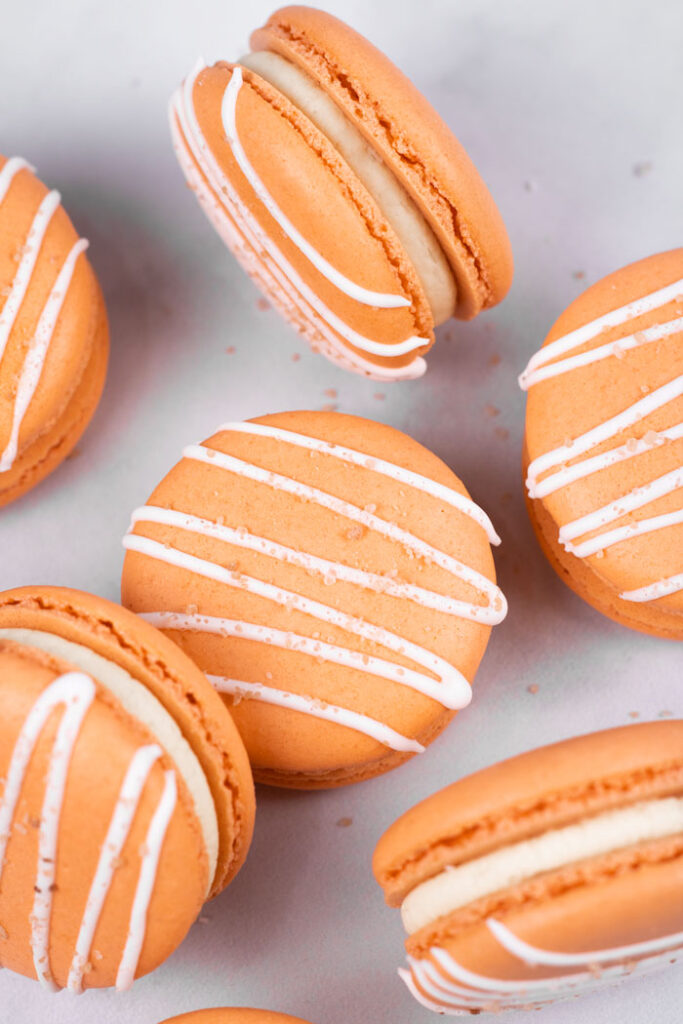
x,y
457,886
142,705
417,238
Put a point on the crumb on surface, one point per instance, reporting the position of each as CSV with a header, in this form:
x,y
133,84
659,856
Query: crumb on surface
x,y
344,822
491,410
262,304
494,359
641,168
231,350
502,433
532,688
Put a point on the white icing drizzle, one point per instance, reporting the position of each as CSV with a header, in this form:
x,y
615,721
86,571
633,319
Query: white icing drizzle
x,y
10,169
319,709
125,809
75,692
660,588
37,353
154,840
591,330
27,264
451,988
344,284
372,462
233,219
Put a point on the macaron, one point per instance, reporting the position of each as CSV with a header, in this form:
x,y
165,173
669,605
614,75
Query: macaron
x,y
334,580
603,452
234,1015
54,338
543,876
341,192
126,798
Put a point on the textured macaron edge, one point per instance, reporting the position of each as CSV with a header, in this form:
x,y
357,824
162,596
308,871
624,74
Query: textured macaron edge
x,y
175,681
526,795
233,1015
411,138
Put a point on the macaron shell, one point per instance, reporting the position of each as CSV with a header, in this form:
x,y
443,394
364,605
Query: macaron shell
x,y
72,375
412,140
569,404
233,1015
624,909
175,681
105,745
286,746
326,202
526,795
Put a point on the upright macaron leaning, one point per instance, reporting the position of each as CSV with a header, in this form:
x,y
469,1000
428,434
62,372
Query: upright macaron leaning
x,y
341,192
126,798
604,445
54,338
544,876
334,580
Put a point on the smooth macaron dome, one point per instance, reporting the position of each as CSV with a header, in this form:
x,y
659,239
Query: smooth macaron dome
x,y
604,445
544,875
333,579
341,192
53,331
234,1015
127,797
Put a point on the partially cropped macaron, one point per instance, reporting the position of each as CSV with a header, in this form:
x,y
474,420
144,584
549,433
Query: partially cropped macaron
x,y
544,876
334,580
341,192
126,797
54,338
234,1015
603,451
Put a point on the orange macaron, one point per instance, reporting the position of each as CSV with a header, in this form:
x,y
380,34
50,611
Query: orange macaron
x,y
603,453
334,580
54,338
126,797
341,192
545,875
234,1015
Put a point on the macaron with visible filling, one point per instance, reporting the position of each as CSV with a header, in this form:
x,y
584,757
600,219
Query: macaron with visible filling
x,y
126,797
54,338
233,1015
545,875
334,580
603,452
341,192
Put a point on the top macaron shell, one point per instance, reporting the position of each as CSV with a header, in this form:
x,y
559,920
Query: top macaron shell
x,y
412,140
234,1015
288,747
565,406
53,331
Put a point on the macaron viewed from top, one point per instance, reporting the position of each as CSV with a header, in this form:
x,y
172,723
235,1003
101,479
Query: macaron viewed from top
x,y
54,338
543,876
604,445
341,192
126,797
334,580
233,1015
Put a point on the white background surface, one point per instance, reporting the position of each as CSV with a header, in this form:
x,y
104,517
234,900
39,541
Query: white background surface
x,y
557,103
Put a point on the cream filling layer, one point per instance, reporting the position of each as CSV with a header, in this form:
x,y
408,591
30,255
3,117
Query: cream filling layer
x,y
142,705
417,238
455,887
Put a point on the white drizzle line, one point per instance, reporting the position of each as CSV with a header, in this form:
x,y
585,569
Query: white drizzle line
x,y
31,249
319,709
637,529
490,614
377,465
661,588
125,809
355,291
154,840
35,358
603,432
590,330
190,143
8,172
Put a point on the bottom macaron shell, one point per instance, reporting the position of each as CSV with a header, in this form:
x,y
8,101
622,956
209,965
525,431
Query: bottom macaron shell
x,y
584,581
233,1015
84,903
554,945
51,448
